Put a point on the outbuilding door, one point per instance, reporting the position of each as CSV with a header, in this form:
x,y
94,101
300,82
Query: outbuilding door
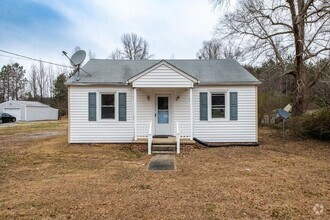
x,y
163,115
14,112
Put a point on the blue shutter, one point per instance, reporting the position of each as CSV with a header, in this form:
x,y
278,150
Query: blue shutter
x,y
92,106
122,106
203,106
233,106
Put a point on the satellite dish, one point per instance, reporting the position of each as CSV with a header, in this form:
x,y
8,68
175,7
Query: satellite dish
x,y
283,114
76,60
78,57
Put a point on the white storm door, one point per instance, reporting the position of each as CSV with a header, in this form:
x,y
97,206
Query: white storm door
x,y
163,115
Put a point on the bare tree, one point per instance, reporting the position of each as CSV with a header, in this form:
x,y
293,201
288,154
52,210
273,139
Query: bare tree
x,y
50,81
75,49
116,55
134,48
284,30
42,81
91,54
214,49
210,50
33,80
232,52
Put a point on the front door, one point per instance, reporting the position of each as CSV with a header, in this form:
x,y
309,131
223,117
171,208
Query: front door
x,y
163,115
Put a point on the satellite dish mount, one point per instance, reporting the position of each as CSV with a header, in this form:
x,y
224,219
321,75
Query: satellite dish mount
x,y
284,115
76,60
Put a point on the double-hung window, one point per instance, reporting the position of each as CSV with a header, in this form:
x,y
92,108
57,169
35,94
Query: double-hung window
x,y
218,104
107,106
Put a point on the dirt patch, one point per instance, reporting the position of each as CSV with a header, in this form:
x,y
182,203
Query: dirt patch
x,y
41,135
4,125
48,178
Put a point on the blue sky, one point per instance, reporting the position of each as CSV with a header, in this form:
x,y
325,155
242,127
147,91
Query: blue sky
x,y
42,28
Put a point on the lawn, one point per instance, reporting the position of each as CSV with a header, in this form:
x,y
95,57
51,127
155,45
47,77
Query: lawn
x,y
42,176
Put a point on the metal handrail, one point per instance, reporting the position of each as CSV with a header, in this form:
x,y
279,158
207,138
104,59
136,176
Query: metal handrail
x,y
150,138
177,138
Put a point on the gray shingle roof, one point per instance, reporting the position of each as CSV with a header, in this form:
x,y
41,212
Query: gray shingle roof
x,y
223,71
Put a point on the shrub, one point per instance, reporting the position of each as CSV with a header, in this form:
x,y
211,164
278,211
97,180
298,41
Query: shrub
x,y
317,124
295,126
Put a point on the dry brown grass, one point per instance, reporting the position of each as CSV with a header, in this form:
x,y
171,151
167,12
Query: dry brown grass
x,y
45,177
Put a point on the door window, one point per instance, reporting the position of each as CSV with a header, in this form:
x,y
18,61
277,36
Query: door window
x,y
163,114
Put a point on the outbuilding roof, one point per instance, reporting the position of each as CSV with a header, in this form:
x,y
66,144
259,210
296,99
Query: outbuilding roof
x,y
207,72
32,103
28,103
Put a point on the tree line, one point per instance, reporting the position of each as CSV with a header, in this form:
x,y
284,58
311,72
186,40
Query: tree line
x,y
43,83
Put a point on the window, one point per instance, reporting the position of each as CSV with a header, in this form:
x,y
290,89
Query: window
x,y
218,105
163,113
107,106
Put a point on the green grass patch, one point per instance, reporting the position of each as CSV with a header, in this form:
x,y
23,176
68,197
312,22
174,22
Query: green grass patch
x,y
33,127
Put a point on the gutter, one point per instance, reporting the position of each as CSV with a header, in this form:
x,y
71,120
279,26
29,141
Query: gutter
x,y
95,84
238,83
127,83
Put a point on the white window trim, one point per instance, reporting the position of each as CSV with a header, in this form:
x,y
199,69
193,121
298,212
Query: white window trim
x,y
99,106
226,93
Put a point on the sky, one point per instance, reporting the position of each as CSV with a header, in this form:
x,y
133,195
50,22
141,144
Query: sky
x,y
42,29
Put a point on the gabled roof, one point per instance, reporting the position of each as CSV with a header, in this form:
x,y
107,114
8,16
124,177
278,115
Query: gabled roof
x,y
207,72
163,62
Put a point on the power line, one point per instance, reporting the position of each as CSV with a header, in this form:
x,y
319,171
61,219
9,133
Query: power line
x,y
21,58
30,58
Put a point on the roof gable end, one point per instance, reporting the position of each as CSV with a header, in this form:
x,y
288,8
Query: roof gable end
x,y
166,64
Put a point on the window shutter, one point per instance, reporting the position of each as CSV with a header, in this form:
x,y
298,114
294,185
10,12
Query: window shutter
x,y
203,106
233,106
92,106
122,106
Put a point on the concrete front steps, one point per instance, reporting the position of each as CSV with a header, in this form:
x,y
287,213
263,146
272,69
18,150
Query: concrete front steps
x,y
163,145
163,149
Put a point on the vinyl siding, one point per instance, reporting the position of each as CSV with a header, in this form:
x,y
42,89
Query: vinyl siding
x,y
179,109
162,77
113,131
225,130
101,130
181,112
145,112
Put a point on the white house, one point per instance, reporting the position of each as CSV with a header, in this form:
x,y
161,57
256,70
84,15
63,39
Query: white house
x,y
119,101
29,110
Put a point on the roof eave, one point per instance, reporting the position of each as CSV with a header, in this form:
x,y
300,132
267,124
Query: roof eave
x,y
127,83
230,83
96,84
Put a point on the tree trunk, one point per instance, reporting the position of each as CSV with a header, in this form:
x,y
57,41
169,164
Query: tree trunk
x,y
299,37
298,107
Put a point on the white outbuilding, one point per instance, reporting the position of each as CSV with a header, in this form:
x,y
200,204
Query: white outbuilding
x,y
29,110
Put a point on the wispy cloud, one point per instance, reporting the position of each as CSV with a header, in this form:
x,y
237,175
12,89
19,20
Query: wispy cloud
x,y
171,27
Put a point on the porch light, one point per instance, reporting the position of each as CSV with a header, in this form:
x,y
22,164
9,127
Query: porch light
x,y
148,97
177,98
